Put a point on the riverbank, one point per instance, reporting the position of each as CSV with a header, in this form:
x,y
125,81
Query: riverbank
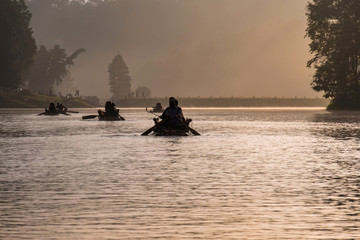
x,y
227,102
29,100
26,99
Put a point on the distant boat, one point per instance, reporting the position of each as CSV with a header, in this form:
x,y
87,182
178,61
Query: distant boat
x,y
53,113
157,108
108,117
103,116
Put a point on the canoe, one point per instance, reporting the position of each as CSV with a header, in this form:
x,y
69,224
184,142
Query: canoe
x,y
103,117
50,113
170,132
161,129
115,116
156,109
111,118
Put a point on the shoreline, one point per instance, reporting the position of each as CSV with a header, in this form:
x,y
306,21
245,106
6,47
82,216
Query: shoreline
x,y
29,100
227,102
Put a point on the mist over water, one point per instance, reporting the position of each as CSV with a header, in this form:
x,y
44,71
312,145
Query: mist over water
x,y
186,48
252,174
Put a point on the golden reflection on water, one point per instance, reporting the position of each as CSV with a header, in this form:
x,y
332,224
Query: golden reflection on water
x,y
252,174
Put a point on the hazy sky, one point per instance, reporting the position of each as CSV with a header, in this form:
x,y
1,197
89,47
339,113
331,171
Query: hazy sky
x,y
188,47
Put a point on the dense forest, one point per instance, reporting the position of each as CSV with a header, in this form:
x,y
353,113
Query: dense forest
x,y
334,30
17,44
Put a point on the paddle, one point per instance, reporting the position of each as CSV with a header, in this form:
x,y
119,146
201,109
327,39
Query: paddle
x,y
89,117
72,111
147,132
193,131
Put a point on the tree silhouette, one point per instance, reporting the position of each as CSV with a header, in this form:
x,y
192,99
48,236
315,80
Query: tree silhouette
x,y
334,30
119,78
17,45
50,68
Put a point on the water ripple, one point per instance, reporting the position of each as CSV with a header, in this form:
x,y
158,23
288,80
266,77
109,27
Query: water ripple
x,y
252,174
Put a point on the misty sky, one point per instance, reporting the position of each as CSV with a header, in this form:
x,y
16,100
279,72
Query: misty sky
x,y
188,47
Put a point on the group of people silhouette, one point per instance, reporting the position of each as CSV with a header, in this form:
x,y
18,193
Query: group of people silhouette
x,y
54,109
110,110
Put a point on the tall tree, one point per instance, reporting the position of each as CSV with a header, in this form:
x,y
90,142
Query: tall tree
x,y
334,30
50,68
17,45
119,78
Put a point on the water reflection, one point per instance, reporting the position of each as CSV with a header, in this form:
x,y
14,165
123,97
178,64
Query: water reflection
x,y
341,125
252,175
337,178
337,184
342,133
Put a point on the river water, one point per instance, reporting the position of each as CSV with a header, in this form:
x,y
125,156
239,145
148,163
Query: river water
x,y
252,174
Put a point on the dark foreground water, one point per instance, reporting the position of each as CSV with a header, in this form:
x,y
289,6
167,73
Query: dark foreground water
x,y
252,174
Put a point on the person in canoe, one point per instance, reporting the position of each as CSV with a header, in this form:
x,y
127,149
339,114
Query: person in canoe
x,y
111,113
61,108
54,110
158,108
173,116
172,122
51,109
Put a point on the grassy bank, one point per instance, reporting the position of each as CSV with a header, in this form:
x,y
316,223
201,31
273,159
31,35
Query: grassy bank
x,y
28,100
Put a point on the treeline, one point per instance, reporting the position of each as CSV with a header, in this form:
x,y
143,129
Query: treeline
x,y
226,102
333,28
50,68
334,31
17,45
85,24
24,63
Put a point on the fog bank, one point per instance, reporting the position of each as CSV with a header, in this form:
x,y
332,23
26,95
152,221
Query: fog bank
x,y
186,47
